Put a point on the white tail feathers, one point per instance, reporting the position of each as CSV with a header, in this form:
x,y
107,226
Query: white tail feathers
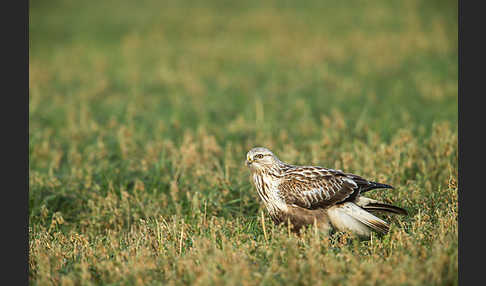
x,y
350,217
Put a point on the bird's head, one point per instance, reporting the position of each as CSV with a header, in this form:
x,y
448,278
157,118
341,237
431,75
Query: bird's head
x,y
260,158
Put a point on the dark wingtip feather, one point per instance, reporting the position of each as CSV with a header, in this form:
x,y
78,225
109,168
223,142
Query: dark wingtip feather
x,y
381,186
374,185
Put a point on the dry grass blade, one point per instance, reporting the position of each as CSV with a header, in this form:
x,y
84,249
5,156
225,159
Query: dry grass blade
x,y
263,227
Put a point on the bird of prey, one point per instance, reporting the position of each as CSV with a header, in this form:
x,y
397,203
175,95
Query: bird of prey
x,y
304,195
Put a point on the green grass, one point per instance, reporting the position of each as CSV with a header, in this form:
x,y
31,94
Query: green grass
x,y
141,113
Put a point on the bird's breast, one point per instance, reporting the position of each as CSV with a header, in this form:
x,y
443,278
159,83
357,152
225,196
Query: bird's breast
x,y
267,188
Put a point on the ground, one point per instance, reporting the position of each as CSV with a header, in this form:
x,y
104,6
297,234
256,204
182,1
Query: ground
x,y
141,113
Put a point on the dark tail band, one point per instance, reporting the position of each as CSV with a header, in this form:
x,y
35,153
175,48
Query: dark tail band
x,y
385,208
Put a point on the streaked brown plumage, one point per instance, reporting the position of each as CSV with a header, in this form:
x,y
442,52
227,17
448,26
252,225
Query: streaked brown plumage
x,y
310,194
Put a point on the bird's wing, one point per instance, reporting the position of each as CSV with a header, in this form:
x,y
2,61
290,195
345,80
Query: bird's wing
x,y
312,187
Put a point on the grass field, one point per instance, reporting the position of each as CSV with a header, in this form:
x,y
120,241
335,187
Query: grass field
x,y
141,113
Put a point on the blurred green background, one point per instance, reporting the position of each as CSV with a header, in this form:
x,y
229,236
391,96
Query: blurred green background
x,y
386,64
142,109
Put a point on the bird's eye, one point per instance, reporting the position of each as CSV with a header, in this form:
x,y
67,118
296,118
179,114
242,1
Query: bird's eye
x,y
258,156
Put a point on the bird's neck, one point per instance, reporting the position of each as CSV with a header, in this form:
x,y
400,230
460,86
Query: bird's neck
x,y
277,170
266,184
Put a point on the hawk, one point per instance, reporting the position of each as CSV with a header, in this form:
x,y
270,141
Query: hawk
x,y
304,195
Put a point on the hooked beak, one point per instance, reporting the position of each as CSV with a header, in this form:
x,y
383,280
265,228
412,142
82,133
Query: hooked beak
x,y
248,161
